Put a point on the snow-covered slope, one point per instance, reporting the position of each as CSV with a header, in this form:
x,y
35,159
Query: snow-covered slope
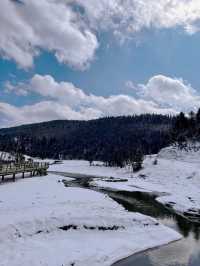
x,y
190,153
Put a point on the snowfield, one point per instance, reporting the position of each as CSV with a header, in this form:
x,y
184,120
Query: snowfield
x,y
175,179
44,223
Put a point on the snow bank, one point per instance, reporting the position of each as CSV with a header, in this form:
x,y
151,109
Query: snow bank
x,y
176,177
189,153
5,156
83,167
44,223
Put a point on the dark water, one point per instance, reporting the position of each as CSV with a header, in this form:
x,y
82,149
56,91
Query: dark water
x,y
185,252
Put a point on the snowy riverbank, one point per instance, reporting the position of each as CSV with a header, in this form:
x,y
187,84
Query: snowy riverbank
x,y
176,178
44,223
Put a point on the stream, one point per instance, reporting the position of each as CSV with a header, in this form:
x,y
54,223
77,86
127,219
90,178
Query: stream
x,y
185,252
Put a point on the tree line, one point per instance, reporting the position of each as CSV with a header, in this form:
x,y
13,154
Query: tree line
x,y
186,128
116,141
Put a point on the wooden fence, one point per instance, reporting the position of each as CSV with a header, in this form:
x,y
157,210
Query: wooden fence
x,y
12,169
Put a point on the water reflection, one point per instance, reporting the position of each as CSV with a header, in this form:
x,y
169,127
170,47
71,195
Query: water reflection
x,y
185,252
179,253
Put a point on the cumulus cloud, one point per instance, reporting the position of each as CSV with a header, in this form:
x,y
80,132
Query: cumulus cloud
x,y
66,93
42,111
170,93
29,26
68,28
63,100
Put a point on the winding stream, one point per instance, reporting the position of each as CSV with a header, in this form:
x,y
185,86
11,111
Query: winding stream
x,y
185,252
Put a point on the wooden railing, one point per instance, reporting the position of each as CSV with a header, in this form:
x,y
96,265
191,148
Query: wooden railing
x,y
34,168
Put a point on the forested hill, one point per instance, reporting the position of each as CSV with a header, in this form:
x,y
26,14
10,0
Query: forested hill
x,y
99,138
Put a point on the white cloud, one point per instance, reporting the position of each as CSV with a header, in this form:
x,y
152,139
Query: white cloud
x,y
130,85
64,92
170,93
67,94
18,89
131,16
50,25
42,111
63,100
32,26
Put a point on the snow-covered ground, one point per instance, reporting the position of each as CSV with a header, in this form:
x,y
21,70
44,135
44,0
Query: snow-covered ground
x,y
5,156
176,177
44,223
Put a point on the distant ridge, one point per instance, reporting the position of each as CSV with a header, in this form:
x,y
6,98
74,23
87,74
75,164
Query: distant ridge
x,y
73,138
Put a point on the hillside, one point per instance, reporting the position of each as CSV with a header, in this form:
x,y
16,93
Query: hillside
x,y
79,139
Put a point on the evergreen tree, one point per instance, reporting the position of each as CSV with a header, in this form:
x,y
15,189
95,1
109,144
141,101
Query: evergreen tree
x,y
198,117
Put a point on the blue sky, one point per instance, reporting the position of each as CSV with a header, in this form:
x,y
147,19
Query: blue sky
x,y
101,67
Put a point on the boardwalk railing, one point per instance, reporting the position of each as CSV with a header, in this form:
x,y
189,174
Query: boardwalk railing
x,y
12,169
